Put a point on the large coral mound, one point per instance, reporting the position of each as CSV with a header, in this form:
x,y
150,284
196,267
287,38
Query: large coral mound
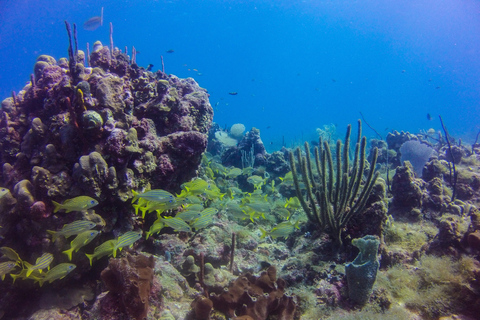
x,y
102,130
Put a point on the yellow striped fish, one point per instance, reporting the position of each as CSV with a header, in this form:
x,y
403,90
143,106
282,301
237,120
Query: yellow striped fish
x,y
126,240
71,229
57,272
11,254
42,262
75,204
156,227
81,240
177,224
102,250
36,275
6,267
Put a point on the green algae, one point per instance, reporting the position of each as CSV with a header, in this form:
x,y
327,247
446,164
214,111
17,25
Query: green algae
x,y
435,286
408,236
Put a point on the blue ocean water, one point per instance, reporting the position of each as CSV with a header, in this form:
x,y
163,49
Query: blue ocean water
x,y
295,65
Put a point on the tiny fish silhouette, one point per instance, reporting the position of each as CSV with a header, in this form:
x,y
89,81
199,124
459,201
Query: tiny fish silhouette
x,y
234,93
94,22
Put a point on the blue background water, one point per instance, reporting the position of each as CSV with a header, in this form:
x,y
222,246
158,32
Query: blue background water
x,y
296,65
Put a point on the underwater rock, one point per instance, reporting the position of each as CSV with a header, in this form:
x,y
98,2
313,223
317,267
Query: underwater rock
x,y
110,93
91,174
128,281
395,139
91,120
34,142
406,190
23,193
277,165
38,210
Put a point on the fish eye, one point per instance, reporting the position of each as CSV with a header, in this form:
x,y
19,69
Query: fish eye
x,y
92,202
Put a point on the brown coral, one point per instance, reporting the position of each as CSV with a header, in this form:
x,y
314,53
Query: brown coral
x,y
256,297
128,281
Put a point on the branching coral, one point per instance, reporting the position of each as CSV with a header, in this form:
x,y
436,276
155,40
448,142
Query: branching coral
x,y
334,195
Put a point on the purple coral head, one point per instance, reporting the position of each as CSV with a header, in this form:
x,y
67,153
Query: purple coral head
x,y
417,153
38,210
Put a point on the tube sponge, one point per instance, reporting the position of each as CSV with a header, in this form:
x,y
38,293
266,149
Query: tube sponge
x,y
362,272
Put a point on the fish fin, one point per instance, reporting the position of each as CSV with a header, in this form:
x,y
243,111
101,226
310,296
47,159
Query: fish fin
x,y
53,234
144,211
69,253
114,253
57,207
3,277
147,235
264,233
29,272
90,257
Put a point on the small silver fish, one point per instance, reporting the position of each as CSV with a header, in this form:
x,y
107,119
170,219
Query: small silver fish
x,y
94,22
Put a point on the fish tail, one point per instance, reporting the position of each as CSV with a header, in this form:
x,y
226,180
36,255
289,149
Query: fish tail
x,y
90,257
14,277
147,235
69,253
54,235
114,253
264,233
136,206
3,277
144,211
135,196
29,271
57,206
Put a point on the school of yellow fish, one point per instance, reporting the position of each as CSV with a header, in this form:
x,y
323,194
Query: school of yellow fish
x,y
194,209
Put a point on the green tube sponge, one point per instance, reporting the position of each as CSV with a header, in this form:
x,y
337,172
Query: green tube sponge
x,y
362,272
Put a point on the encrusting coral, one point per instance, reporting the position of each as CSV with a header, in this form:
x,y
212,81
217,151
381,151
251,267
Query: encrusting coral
x,y
128,281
